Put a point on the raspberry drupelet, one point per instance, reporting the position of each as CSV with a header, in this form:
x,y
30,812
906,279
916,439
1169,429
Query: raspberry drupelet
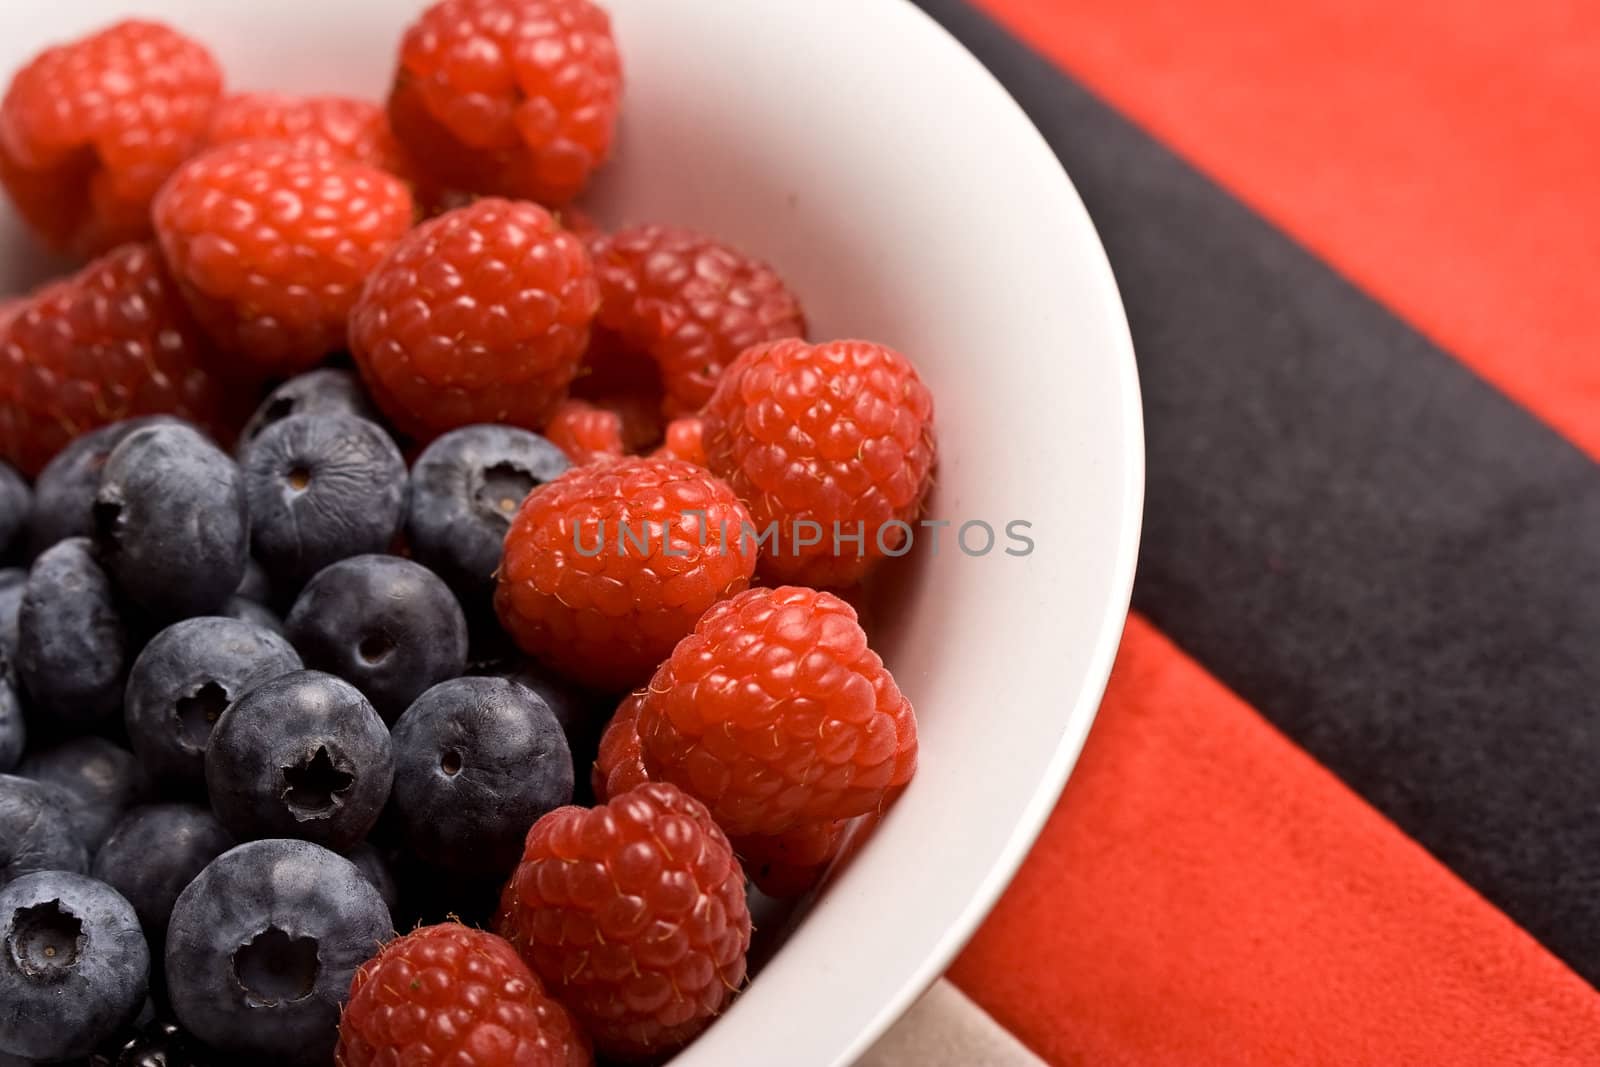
x,y
89,131
514,98
448,994
271,246
607,566
479,315
586,433
342,127
634,914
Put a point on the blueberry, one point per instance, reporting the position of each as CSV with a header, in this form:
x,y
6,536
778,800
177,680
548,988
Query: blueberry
x,y
322,488
13,581
36,831
153,1042
326,391
13,730
63,495
156,851
477,761
465,488
388,626
16,508
303,755
581,718
370,862
255,585
71,643
258,615
262,947
183,680
102,779
170,521
74,966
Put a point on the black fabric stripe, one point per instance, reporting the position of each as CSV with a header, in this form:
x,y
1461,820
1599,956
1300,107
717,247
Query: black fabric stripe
x,y
1394,563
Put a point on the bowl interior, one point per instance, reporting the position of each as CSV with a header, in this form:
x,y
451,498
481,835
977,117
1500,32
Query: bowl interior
x,y
905,197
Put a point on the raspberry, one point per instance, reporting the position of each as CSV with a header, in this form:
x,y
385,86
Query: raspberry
x,y
270,246
689,302
584,432
607,566
113,341
450,994
634,913
777,715
685,440
90,130
619,766
479,315
516,98
837,434
342,127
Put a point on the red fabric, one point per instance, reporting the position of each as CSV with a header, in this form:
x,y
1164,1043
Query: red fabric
x,y
1441,153
1207,894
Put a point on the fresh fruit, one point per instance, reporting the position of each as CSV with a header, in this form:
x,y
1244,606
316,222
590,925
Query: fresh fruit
x,y
99,779
154,852
689,302
634,913
182,682
609,565
477,762
75,966
63,494
36,831
254,613
72,648
16,508
370,862
465,488
13,582
270,246
685,440
89,131
303,755
777,715
449,994
170,521
516,98
110,342
833,443
324,391
388,626
263,945
587,434
13,727
341,127
479,315
321,488
619,766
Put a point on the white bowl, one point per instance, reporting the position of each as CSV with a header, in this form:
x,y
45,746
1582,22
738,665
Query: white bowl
x,y
904,195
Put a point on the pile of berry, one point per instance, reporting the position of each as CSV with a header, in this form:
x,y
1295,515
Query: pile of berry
x,y
389,544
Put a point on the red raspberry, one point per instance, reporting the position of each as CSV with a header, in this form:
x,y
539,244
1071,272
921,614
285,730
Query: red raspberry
x,y
90,130
113,341
689,302
777,715
837,434
516,98
271,246
685,440
584,432
448,994
343,127
479,315
634,913
619,766
607,566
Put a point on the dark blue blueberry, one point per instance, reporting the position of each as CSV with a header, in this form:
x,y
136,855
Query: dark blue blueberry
x,y
183,680
36,831
74,966
386,625
102,778
465,488
13,729
326,391
154,853
151,1042
170,521
262,947
16,508
477,761
303,755
255,585
254,613
322,488
13,580
581,716
72,647
63,494
371,863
